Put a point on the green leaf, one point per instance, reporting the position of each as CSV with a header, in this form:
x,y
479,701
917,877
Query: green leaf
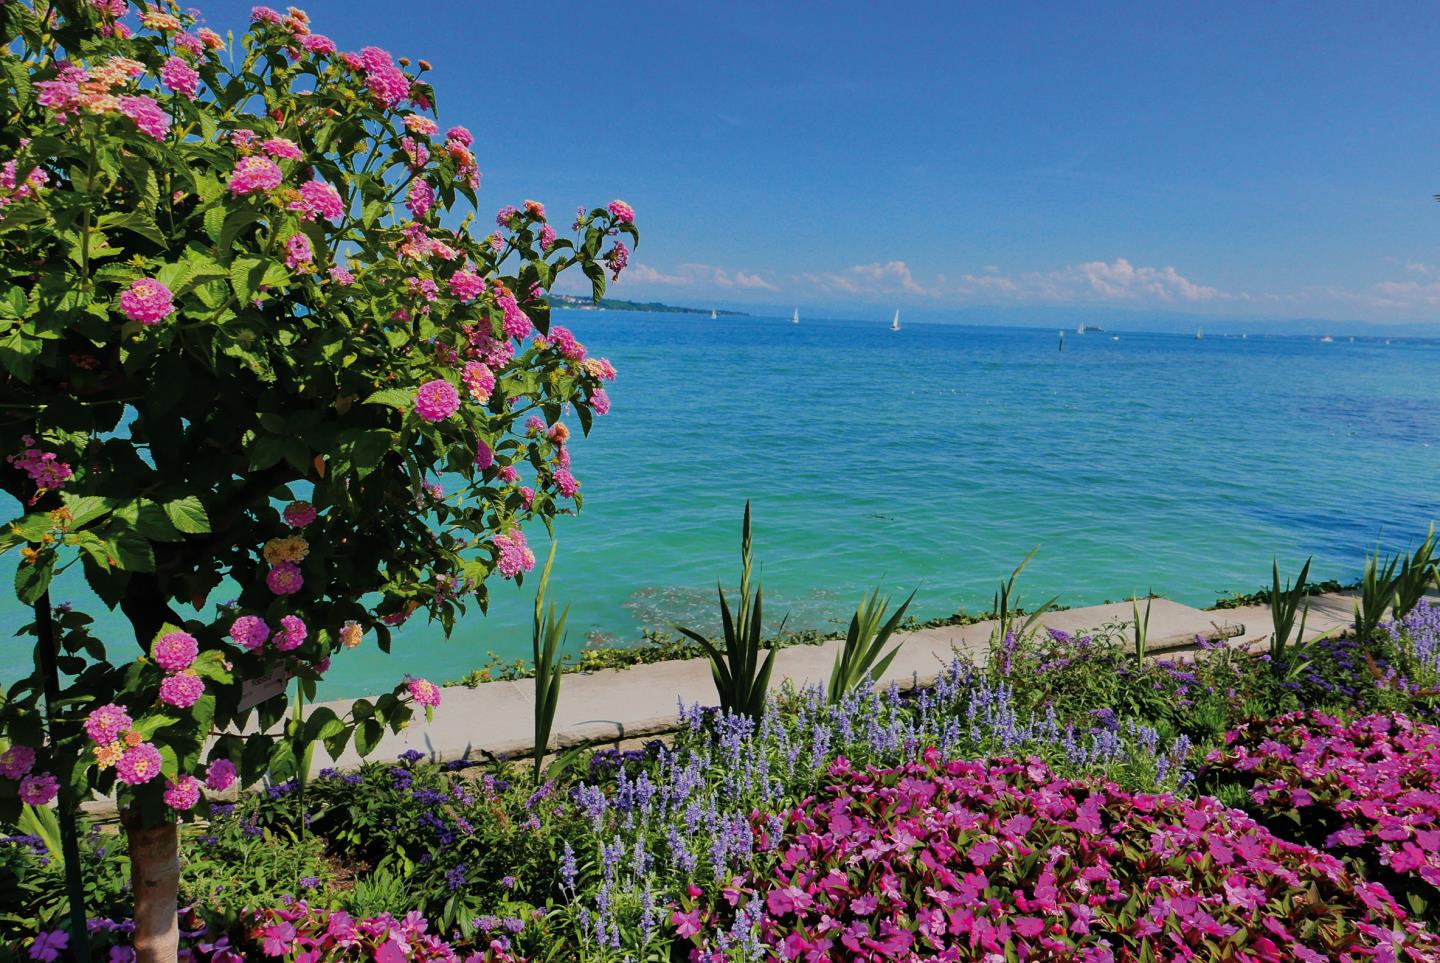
x,y
32,579
400,399
132,551
367,736
188,515
137,222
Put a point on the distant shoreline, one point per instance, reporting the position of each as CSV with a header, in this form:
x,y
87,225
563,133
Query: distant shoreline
x,y
612,304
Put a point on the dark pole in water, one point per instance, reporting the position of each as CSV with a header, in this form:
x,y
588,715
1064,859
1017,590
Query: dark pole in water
x,y
1062,340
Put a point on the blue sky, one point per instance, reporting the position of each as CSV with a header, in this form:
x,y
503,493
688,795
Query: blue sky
x,y
1240,160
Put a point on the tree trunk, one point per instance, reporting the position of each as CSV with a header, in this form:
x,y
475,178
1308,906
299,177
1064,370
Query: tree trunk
x,y
155,878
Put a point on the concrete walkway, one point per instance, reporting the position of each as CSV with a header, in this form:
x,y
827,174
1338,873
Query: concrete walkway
x,y
615,705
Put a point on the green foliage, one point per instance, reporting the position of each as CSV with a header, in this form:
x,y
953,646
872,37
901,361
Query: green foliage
x,y
1142,628
860,659
548,635
742,677
281,361
1418,573
1006,610
1286,603
1377,593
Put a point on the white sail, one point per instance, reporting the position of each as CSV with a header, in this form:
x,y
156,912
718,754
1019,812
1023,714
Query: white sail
x,y
895,324
1080,328
713,315
1199,335
795,317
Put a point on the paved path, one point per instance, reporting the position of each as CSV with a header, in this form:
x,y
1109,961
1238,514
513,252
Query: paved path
x,y
613,705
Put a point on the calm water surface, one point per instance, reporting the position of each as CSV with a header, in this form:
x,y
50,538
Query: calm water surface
x,y
937,458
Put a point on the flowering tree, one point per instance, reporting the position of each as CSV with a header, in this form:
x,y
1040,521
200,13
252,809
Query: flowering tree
x,y
245,334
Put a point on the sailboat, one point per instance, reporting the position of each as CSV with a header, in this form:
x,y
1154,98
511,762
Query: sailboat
x,y
713,315
1080,328
1199,335
895,324
795,317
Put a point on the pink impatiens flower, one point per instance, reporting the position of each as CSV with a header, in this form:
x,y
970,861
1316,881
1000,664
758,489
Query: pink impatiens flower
x,y
147,301
436,400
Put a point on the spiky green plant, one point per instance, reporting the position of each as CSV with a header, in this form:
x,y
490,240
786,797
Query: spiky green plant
x,y
1142,629
860,657
1417,573
1286,604
1007,608
741,677
1377,593
547,639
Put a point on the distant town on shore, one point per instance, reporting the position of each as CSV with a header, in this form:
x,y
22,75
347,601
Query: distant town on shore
x,y
614,304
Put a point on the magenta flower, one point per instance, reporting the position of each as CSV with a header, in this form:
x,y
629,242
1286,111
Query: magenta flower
x,y
220,776
107,723
318,199
622,212
180,77
250,631
147,301
318,44
147,115
285,578
514,556
182,690
183,795
341,276
291,634
298,251
484,455
460,135
479,380
420,198
298,514
174,651
516,324
424,693
466,286
436,400
565,483
254,173
16,762
282,148
139,764
39,789
600,401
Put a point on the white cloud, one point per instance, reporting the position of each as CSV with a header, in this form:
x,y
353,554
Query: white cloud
x,y
700,276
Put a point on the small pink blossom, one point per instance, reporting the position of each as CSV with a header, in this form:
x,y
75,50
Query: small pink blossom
x,y
16,762
515,556
180,77
622,212
147,115
291,634
250,631
183,795
318,199
147,301
254,173
298,251
424,693
220,776
106,724
436,400
285,578
39,789
182,690
138,764
174,651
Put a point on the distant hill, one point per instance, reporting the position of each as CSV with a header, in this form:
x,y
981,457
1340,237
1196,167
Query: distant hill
x,y
613,304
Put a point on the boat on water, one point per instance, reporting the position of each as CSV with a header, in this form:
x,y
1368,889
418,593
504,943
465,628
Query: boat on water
x,y
1114,337
1079,329
713,315
895,322
1327,340
795,317
1199,335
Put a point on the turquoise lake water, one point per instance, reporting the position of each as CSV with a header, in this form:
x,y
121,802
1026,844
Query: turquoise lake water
x,y
936,458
